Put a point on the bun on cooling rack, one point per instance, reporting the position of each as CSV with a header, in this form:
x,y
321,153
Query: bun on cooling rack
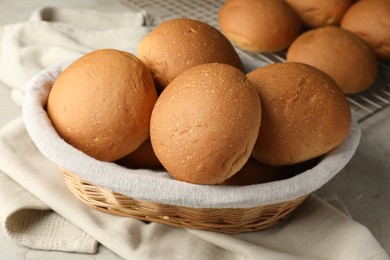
x,y
304,113
179,44
339,53
318,13
205,123
101,104
370,20
259,25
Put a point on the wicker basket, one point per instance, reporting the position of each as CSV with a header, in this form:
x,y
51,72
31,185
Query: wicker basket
x,y
225,220
111,188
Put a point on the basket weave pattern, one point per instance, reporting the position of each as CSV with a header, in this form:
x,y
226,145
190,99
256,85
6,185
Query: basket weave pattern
x,y
226,220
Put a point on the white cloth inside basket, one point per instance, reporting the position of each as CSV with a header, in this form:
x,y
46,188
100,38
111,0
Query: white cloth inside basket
x,y
157,186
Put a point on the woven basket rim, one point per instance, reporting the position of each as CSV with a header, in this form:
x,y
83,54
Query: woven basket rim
x,y
157,186
225,220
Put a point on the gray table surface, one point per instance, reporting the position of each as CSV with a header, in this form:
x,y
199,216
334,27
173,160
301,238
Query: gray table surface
x,y
363,186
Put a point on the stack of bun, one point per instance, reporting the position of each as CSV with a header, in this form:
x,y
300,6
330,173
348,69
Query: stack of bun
x,y
345,51
211,123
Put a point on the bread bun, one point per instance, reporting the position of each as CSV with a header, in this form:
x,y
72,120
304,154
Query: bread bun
x,y
179,44
339,53
259,25
142,158
318,13
255,172
371,21
101,104
304,113
205,123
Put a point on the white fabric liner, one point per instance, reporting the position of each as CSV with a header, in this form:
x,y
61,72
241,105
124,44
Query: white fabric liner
x,y
158,186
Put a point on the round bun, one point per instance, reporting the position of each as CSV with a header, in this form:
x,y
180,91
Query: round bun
x,y
142,158
259,25
339,53
205,123
304,113
370,20
255,172
101,104
318,13
179,44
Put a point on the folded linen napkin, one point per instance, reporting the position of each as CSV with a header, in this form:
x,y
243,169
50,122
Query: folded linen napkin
x,y
57,34
31,223
315,231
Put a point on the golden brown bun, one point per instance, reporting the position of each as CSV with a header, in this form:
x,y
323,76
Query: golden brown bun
x,y
179,44
371,21
101,104
259,25
339,53
255,172
318,13
305,114
205,123
142,158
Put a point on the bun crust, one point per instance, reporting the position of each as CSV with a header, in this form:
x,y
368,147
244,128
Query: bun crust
x,y
101,104
205,124
305,114
142,158
319,13
255,172
339,53
370,20
259,25
179,44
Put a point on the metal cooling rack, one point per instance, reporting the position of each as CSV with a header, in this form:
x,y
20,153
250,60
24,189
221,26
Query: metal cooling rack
x,y
363,105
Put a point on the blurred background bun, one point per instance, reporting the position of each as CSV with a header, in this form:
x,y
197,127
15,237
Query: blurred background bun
x,y
259,25
370,20
339,53
318,13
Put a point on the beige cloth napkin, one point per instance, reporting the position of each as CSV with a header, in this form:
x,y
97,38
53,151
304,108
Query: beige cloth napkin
x,y
31,223
315,231
57,34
